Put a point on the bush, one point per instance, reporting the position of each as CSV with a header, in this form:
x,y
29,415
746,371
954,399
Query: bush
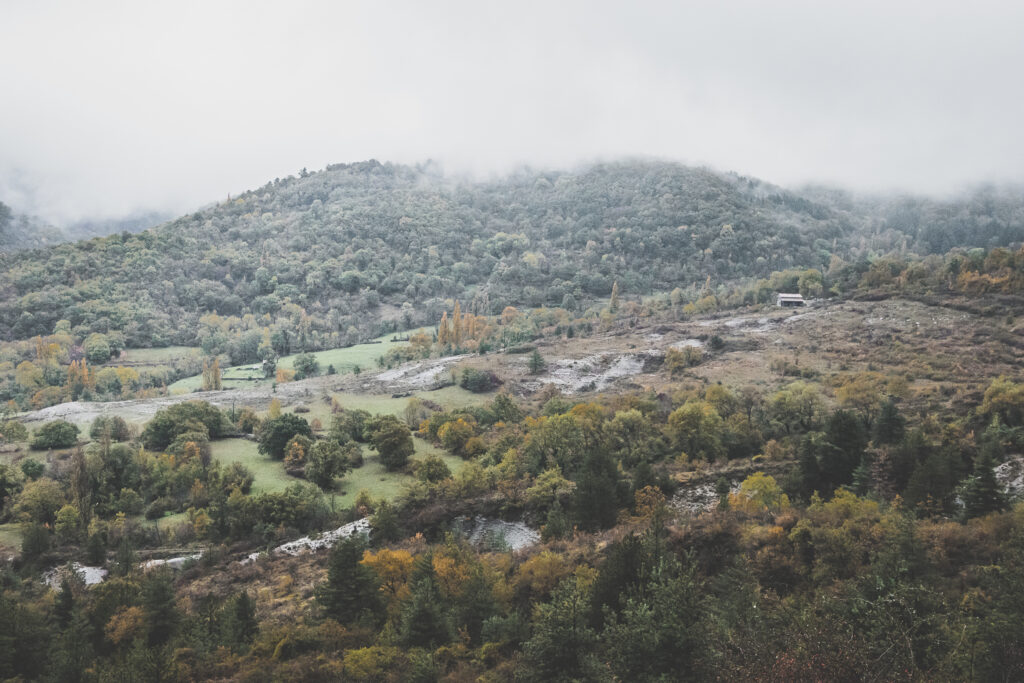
x,y
349,425
247,421
306,365
392,440
237,476
97,348
113,425
35,540
432,469
12,431
168,423
274,434
354,454
57,434
478,381
159,507
677,360
33,469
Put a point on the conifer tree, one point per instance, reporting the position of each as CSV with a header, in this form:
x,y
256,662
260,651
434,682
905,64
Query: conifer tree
x,y
159,607
536,363
563,645
241,625
424,621
64,604
982,493
613,305
890,425
73,651
351,588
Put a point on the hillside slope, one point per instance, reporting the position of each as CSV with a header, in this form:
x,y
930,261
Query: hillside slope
x,y
18,231
361,248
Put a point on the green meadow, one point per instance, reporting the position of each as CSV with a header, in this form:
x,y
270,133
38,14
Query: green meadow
x,y
269,475
345,361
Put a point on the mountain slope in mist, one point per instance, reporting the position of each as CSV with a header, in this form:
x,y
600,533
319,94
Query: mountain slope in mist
x,y
344,250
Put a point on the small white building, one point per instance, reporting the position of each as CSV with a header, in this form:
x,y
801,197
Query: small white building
x,y
788,300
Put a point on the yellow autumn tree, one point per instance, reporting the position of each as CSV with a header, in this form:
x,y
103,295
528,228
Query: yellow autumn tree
x,y
211,375
393,568
457,325
29,376
443,332
79,378
125,625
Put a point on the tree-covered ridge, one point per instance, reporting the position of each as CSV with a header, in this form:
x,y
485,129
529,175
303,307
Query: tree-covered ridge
x,y
355,245
18,231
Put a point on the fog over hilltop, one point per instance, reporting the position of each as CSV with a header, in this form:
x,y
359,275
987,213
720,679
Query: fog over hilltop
x,y
115,108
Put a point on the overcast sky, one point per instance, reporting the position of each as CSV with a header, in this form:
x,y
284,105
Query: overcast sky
x,y
109,107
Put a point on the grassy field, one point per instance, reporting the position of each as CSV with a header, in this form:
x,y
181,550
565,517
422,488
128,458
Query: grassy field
x,y
384,485
169,521
269,475
382,404
346,360
10,457
10,536
160,356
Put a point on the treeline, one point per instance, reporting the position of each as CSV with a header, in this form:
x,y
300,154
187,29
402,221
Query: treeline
x,y
18,231
342,243
94,498
59,367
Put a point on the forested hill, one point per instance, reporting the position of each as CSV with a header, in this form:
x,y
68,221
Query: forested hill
x,y
21,231
18,231
338,251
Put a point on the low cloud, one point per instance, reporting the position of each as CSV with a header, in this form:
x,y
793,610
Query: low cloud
x,y
111,108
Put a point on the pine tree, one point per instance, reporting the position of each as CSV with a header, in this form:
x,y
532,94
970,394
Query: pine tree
x,y
556,525
73,652
563,646
890,425
425,622
159,607
536,363
982,493
124,558
96,550
63,606
241,625
596,496
722,491
862,479
384,523
350,591
808,470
